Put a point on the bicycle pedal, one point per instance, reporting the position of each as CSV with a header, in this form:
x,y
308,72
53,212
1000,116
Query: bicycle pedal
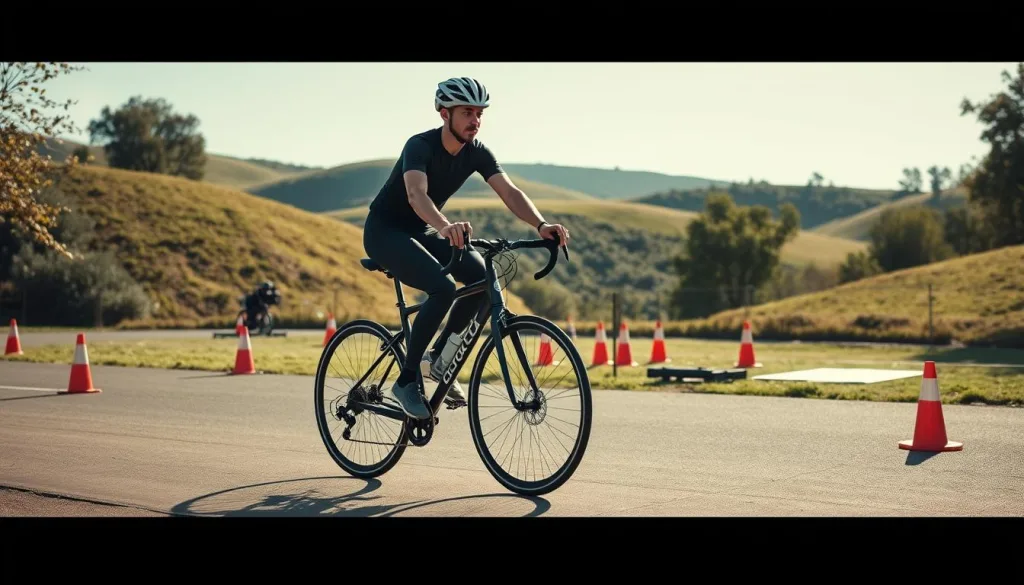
x,y
454,404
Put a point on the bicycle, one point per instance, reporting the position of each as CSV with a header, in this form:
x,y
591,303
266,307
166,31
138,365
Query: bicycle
x,y
532,406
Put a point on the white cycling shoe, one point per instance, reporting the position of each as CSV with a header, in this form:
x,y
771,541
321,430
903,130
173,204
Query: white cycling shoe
x,y
428,369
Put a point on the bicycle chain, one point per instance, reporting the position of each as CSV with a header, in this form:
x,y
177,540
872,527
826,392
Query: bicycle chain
x,y
451,404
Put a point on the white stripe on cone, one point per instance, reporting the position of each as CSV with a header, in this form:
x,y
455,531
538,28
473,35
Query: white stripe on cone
x,y
930,389
81,354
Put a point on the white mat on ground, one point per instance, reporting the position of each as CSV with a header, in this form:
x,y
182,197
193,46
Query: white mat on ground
x,y
840,375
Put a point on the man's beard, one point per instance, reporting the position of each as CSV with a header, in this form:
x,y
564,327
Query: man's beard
x,y
457,135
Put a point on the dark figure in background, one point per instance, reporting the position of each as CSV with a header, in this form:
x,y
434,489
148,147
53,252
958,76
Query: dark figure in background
x,y
258,302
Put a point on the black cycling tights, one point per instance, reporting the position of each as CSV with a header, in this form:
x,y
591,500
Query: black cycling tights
x,y
417,258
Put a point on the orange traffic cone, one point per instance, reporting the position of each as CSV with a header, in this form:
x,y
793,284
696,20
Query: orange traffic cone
x,y
546,357
658,353
624,354
600,347
571,329
243,357
332,326
930,428
13,341
747,349
81,374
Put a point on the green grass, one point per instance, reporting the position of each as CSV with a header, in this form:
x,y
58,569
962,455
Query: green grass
x,y
356,184
966,376
196,247
858,226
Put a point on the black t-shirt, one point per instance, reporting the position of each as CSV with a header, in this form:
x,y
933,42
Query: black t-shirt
x,y
445,175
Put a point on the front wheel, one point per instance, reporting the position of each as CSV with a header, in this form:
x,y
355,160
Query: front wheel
x,y
533,449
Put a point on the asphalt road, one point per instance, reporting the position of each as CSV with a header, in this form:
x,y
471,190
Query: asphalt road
x,y
202,443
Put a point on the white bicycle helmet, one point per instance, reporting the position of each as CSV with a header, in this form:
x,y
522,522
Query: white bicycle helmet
x,y
461,91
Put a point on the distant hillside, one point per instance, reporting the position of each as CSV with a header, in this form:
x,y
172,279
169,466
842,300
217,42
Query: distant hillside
x,y
220,170
608,183
978,299
356,184
615,244
817,205
858,226
196,248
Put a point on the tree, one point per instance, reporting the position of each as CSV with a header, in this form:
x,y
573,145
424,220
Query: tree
x,y
146,135
858,265
911,182
25,125
939,178
908,236
729,252
996,186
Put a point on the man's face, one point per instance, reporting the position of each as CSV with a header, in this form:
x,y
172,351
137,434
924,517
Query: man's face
x,y
464,122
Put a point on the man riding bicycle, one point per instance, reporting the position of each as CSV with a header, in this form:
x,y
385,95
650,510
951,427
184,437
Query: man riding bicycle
x,y
406,233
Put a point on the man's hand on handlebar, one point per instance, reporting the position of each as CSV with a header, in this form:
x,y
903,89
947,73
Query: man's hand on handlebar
x,y
549,230
455,233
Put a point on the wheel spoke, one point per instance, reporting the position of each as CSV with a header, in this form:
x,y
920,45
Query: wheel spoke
x,y
521,449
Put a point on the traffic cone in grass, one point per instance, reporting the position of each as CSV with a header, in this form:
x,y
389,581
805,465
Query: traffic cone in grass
x,y
81,375
239,324
13,341
624,353
930,428
332,326
747,349
600,347
243,357
546,357
658,353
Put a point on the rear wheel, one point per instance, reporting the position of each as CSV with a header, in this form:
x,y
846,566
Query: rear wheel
x,y
363,443
535,449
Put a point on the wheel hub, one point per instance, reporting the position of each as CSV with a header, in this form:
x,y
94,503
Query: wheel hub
x,y
535,407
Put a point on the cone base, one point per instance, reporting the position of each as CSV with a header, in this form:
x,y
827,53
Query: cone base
x,y
89,391
754,365
908,445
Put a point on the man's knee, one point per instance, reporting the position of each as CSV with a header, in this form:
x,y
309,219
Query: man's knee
x,y
443,288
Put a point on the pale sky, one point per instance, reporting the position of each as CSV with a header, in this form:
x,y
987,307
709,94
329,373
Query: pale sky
x,y
858,124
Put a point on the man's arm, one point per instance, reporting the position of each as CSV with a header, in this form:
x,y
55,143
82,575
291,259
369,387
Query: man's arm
x,y
416,187
515,199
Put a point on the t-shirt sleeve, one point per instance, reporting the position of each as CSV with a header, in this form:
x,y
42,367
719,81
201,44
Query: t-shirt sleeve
x,y
415,155
486,164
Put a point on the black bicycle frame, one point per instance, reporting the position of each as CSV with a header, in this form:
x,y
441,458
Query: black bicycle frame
x,y
496,309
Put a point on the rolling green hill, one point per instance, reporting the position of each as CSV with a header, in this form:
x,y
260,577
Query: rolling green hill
x,y
614,244
356,184
220,170
858,226
607,183
817,205
196,247
977,299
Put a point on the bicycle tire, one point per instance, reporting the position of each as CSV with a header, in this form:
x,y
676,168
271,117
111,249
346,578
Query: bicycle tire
x,y
347,330
567,469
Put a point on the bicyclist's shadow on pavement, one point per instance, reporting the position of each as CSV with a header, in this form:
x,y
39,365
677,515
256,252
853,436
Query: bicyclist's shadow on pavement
x,y
320,496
